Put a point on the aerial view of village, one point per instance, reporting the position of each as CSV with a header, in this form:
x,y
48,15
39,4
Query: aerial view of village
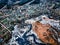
x,y
29,22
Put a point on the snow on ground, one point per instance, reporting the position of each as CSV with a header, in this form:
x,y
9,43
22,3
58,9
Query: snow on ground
x,y
21,32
